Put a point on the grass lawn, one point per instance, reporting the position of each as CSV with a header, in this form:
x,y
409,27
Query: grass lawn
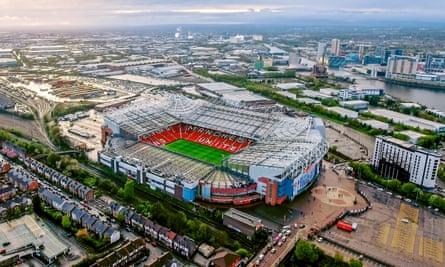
x,y
198,151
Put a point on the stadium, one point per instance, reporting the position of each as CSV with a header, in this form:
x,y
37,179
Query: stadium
x,y
193,149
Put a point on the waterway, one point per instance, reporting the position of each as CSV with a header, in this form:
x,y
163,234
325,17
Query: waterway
x,y
432,98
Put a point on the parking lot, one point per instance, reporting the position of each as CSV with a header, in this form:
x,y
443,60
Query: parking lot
x,y
396,231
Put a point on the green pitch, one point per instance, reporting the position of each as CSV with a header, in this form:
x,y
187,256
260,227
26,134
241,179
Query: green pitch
x,y
198,151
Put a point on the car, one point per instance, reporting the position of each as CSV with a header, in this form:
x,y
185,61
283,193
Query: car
x,y
273,251
296,225
320,239
261,257
268,247
407,200
257,263
288,232
283,239
154,244
280,244
398,196
302,226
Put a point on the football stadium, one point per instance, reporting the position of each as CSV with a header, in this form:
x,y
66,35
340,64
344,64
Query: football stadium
x,y
193,149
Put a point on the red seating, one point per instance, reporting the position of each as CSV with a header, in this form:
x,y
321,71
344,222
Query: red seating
x,y
198,135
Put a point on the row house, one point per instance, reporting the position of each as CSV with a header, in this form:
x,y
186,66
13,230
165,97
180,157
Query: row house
x,y
22,179
183,245
79,190
11,206
115,208
80,216
77,214
138,222
87,221
123,256
51,199
67,207
7,193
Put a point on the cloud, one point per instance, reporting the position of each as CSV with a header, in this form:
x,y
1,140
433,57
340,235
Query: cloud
x,y
142,12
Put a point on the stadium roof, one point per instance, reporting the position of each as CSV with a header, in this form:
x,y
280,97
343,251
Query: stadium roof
x,y
292,155
284,142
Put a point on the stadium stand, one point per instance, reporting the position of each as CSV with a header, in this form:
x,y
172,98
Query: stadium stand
x,y
272,155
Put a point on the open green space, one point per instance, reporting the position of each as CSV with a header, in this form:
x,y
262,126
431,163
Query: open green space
x,y
208,154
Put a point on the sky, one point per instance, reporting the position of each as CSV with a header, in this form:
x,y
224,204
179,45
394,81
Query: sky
x,y
86,13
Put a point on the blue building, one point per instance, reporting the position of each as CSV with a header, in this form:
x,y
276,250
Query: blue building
x,y
336,62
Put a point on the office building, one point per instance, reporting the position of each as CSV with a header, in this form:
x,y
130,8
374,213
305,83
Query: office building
x,y
321,52
401,65
336,62
361,50
434,63
397,159
335,47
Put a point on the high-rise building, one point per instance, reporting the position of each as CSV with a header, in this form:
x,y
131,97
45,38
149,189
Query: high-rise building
x,y
397,159
434,63
335,47
361,50
294,60
401,65
321,52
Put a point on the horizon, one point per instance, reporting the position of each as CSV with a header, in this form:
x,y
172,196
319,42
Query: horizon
x,y
80,14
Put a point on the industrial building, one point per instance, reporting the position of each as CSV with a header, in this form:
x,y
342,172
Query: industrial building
x,y
241,222
355,104
397,159
415,122
346,113
401,66
232,95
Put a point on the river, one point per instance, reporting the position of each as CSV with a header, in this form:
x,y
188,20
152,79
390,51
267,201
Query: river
x,y
431,98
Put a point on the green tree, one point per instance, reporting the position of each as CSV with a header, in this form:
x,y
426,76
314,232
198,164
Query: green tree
x,y
408,188
305,251
394,185
355,263
441,172
243,252
434,200
66,222
120,218
418,191
52,159
129,189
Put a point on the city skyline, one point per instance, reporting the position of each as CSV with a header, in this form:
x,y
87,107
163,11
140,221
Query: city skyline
x,y
80,13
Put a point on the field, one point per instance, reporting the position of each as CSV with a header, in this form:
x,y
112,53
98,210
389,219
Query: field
x,y
198,151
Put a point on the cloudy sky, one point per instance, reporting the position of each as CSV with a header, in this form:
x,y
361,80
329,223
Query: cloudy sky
x,y
84,13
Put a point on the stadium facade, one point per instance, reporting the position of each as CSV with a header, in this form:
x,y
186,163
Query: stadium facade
x,y
272,156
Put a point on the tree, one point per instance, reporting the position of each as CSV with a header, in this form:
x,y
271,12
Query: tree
x,y
418,191
66,222
304,251
82,234
394,185
129,189
408,188
120,218
243,252
355,263
434,200
52,159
